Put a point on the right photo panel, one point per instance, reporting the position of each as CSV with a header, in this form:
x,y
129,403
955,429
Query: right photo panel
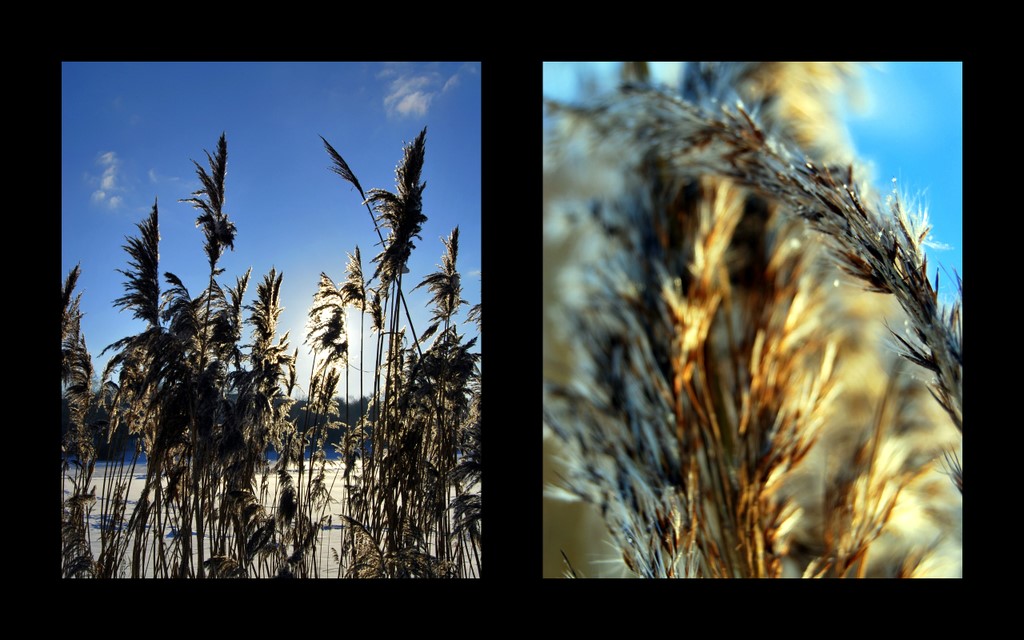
x,y
752,320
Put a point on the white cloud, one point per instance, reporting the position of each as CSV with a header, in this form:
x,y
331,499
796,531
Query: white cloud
x,y
107,182
414,104
412,95
451,83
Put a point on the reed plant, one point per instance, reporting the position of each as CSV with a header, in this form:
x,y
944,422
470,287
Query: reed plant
x,y
747,371
408,496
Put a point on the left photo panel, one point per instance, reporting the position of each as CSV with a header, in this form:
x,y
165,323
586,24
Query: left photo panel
x,y
271,326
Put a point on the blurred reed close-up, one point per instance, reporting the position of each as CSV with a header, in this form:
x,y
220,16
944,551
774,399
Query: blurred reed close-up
x,y
749,369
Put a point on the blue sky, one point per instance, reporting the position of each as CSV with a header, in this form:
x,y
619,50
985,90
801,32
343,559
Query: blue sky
x,y
130,131
911,128
908,125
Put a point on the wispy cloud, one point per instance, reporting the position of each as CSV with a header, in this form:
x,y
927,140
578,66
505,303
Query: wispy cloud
x,y
451,83
108,182
411,94
156,178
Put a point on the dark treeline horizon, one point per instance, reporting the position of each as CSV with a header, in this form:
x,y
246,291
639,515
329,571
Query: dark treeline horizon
x,y
104,450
